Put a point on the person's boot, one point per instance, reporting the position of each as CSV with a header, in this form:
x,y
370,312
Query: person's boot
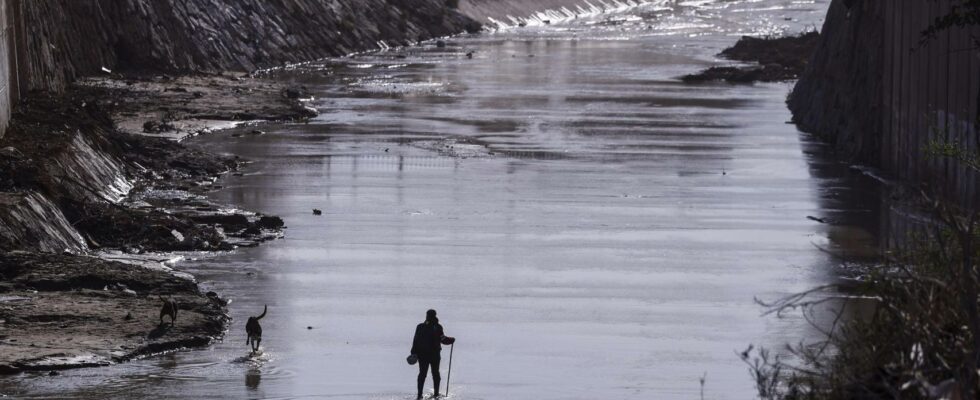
x,y
436,394
421,386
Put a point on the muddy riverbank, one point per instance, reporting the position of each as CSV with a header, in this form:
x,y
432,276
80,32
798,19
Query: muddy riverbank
x,y
67,311
76,182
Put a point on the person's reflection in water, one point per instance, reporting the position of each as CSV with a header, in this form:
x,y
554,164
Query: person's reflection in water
x,y
253,377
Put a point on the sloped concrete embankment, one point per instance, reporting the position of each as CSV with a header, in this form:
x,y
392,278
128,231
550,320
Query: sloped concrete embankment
x,y
78,38
499,13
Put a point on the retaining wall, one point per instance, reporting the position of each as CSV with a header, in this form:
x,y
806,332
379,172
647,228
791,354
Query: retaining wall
x,y
883,94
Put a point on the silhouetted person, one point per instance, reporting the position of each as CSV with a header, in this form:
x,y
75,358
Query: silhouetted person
x,y
427,345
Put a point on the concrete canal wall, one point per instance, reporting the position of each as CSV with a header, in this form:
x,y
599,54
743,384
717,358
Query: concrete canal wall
x,y
883,94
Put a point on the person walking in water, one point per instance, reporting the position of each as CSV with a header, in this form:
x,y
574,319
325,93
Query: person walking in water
x,y
427,346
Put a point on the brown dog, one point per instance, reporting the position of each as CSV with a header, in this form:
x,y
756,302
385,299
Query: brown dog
x,y
254,330
169,308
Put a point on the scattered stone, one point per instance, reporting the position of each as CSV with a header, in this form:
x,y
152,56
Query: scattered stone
x,y
317,212
440,44
158,127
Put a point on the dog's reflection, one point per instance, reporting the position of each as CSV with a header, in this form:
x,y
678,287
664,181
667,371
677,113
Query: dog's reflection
x,y
253,377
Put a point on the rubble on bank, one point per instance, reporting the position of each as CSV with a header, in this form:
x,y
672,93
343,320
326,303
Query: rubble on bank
x,y
775,59
181,106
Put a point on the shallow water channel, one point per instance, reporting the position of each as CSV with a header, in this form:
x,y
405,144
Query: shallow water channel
x,y
587,226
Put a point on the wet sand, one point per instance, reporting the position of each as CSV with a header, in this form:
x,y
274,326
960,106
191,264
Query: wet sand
x,y
586,225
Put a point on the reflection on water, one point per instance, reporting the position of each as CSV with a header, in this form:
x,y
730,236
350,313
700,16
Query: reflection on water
x,y
253,378
586,225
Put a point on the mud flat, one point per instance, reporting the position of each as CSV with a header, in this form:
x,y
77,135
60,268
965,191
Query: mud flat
x,y
97,170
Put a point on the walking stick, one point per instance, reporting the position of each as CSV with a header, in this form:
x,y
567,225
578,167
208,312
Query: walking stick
x,y
450,373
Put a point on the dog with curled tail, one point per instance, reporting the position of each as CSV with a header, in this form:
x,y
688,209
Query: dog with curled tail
x,y
169,308
253,330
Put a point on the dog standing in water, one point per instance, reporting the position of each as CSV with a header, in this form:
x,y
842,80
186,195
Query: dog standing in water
x,y
254,330
169,308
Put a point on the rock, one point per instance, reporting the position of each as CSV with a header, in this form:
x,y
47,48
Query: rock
x,y
231,222
440,44
317,212
292,93
158,127
270,222
216,299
